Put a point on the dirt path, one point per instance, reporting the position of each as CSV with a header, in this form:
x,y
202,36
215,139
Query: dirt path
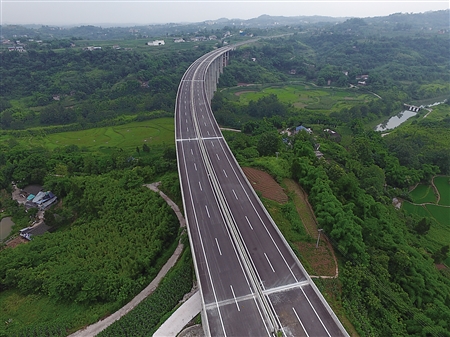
x,y
94,329
436,191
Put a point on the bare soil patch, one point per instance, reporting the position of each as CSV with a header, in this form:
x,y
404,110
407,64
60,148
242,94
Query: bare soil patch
x,y
266,185
16,241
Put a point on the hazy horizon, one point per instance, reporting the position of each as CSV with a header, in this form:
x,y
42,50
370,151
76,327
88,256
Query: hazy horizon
x,y
138,12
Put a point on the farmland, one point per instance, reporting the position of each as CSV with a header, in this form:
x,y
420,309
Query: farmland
x,y
126,136
425,205
305,95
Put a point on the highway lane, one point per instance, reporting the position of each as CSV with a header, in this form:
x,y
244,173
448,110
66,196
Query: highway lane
x,y
226,290
254,224
280,284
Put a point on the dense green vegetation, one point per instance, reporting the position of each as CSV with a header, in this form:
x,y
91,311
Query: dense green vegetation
x,y
110,235
146,317
84,88
390,284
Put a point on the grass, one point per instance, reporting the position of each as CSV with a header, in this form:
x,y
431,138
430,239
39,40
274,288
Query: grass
x,y
303,95
126,136
422,194
443,185
140,45
439,232
20,310
441,214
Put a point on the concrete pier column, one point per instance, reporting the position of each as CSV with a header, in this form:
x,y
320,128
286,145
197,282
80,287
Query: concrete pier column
x,y
220,60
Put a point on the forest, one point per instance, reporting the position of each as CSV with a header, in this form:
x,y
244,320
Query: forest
x,y
110,235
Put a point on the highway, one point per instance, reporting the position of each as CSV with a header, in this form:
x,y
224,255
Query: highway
x,y
251,282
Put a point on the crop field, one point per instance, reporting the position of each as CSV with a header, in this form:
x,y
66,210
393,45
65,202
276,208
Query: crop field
x,y
441,214
152,132
141,45
422,194
440,229
304,95
443,185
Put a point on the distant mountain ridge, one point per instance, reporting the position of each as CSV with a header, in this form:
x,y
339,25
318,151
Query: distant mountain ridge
x,y
434,20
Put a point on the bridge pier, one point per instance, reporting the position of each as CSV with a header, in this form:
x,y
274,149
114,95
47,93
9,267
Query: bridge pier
x,y
213,74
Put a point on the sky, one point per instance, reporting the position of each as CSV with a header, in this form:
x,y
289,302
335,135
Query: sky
x,y
142,12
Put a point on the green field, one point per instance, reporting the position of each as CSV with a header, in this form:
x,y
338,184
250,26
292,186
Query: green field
x,y
439,233
29,310
126,136
305,95
422,194
443,186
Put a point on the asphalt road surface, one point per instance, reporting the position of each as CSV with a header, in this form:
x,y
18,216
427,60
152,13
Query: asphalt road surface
x,y
250,281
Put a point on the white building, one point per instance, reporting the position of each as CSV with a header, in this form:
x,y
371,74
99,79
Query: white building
x,y
156,43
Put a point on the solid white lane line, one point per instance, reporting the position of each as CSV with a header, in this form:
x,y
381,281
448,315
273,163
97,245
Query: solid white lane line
x,y
249,222
201,243
317,315
195,166
200,184
225,173
301,323
207,212
270,264
235,300
218,247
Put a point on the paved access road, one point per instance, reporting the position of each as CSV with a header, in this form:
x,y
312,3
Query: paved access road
x,y
251,282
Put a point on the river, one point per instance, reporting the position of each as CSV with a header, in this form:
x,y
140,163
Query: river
x,y
395,121
5,227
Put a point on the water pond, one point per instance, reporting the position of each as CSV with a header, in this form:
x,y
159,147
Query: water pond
x,y
5,227
395,121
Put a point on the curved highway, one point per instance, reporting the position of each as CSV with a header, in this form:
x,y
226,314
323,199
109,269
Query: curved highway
x,y
251,282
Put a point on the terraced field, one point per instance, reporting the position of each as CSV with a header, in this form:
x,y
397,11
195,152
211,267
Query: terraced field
x,y
304,95
130,135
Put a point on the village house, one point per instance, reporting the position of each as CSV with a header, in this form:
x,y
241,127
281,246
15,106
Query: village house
x,y
333,135
302,128
156,43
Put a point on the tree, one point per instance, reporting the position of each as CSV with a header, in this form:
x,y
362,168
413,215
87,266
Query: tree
x,y
423,226
6,118
268,144
440,255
